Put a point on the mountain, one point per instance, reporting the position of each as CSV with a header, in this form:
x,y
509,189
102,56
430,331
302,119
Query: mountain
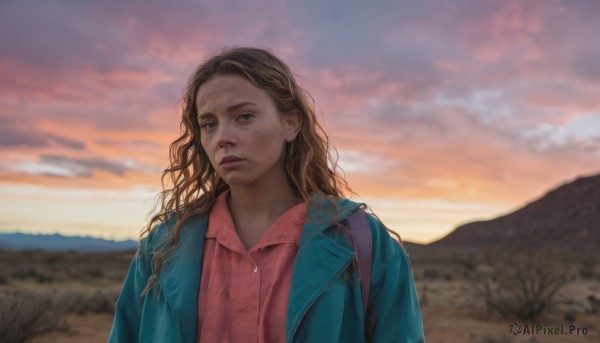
x,y
566,217
56,242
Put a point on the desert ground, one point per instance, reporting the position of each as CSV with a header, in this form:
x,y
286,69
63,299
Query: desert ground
x,y
465,296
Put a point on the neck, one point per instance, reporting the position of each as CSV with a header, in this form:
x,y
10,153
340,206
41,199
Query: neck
x,y
254,209
255,204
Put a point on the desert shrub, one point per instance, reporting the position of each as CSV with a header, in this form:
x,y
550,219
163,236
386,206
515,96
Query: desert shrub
x,y
594,304
31,273
27,314
430,274
490,339
435,274
43,278
588,266
570,316
94,273
504,339
467,262
116,275
81,302
423,298
522,287
54,258
24,273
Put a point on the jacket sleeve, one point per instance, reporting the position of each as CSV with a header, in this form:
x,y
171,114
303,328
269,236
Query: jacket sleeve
x,y
393,296
128,310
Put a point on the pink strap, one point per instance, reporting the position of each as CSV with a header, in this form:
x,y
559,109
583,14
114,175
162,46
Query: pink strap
x,y
358,234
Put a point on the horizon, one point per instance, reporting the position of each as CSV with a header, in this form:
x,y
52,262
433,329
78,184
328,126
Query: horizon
x,y
62,235
17,231
442,112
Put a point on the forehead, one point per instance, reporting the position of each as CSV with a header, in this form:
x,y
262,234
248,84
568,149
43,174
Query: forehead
x,y
223,90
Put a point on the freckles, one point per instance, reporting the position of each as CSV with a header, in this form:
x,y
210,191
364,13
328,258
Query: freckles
x,y
206,147
203,145
265,142
205,141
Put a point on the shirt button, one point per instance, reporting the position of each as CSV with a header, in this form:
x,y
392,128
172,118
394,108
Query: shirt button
x,y
255,269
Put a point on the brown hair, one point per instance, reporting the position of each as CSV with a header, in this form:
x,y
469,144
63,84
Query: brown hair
x,y
309,163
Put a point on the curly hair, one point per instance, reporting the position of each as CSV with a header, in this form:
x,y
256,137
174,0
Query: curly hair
x,y
310,165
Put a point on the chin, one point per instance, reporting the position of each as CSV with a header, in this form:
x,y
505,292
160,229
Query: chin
x,y
236,180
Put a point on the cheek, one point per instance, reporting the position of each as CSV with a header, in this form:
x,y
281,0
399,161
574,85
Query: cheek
x,y
270,143
207,148
207,141
204,145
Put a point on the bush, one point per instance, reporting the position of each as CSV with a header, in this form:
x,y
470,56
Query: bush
x,y
430,274
423,298
94,273
588,267
33,274
522,287
594,303
489,339
82,302
25,315
24,273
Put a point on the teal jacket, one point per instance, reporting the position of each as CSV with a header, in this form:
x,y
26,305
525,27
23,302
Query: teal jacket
x,y
324,304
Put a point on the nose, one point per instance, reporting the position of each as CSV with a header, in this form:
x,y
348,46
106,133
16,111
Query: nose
x,y
225,136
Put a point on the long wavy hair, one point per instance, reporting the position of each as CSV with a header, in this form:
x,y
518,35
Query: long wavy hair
x,y
191,185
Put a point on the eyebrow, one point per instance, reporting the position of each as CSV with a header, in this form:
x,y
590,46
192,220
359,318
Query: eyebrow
x,y
230,108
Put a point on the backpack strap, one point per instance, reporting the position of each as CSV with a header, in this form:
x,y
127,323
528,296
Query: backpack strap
x,y
358,234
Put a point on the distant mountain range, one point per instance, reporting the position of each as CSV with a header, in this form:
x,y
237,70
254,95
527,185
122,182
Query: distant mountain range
x,y
56,242
567,217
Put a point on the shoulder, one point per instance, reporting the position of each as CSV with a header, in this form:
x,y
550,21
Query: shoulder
x,y
385,246
160,232
383,240
160,236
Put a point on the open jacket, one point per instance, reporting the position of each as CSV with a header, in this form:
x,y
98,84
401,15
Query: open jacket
x,y
324,304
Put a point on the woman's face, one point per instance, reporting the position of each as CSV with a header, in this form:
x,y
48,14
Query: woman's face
x,y
241,130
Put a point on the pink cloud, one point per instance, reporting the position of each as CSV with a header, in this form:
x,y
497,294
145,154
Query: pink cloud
x,y
478,100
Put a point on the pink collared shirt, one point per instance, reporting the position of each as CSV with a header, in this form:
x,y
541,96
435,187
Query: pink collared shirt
x,y
244,294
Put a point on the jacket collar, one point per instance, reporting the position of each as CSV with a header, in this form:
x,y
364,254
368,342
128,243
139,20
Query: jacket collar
x,y
179,279
323,212
322,257
180,276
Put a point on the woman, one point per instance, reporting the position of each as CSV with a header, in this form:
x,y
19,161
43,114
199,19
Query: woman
x,y
246,245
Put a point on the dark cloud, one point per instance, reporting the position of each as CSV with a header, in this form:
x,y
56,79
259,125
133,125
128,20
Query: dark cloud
x,y
114,35
403,37
406,119
11,137
587,64
82,167
73,144
55,35
386,37
422,50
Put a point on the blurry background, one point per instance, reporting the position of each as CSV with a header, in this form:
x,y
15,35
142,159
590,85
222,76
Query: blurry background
x,y
444,112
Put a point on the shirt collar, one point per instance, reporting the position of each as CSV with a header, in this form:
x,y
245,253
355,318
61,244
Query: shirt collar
x,y
286,229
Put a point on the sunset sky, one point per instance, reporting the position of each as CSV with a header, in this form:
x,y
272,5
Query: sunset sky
x,y
443,112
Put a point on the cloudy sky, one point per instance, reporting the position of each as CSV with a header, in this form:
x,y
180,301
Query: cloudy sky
x,y
443,111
